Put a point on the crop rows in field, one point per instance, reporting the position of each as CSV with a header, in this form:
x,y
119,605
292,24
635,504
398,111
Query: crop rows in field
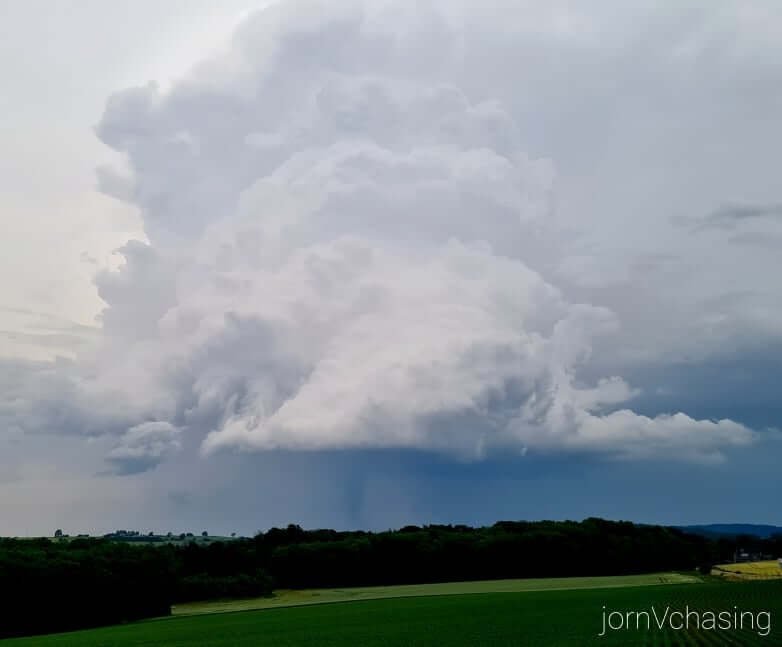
x,y
560,618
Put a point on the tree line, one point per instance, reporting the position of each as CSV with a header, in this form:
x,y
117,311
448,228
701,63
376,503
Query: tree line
x,y
52,586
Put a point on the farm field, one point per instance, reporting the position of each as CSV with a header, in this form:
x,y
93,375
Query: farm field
x,y
557,617
322,596
750,570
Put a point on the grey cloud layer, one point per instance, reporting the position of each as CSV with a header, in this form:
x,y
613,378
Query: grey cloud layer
x,y
144,446
734,215
350,247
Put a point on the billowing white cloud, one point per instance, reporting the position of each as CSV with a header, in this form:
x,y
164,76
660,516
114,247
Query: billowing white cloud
x,y
350,246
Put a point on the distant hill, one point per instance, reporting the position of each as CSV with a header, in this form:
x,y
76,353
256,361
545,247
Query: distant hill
x,y
734,529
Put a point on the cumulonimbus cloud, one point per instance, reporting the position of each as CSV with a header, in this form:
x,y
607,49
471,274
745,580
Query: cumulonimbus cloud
x,y
337,258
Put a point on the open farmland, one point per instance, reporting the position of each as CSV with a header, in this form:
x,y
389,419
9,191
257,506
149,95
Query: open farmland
x,y
770,569
570,617
322,596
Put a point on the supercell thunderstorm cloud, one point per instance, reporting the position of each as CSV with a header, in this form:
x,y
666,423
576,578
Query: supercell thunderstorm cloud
x,y
355,240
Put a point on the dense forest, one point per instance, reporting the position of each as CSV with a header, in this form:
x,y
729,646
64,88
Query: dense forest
x,y
56,585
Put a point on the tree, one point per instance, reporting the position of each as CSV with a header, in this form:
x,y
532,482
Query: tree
x,y
58,533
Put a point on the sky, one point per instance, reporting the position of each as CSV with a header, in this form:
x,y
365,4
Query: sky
x,y
366,263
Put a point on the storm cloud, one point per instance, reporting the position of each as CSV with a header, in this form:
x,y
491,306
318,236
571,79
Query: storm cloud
x,y
357,238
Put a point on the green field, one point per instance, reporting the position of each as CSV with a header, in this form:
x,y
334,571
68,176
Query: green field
x,y
558,616
321,596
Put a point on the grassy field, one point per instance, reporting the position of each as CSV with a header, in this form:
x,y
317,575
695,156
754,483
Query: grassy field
x,y
321,596
750,570
557,617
